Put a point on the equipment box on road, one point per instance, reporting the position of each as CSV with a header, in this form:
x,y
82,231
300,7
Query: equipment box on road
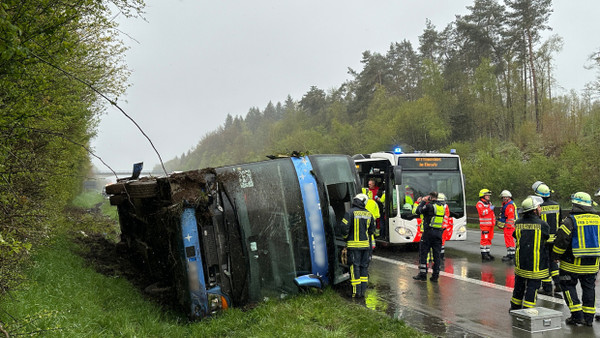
x,y
537,319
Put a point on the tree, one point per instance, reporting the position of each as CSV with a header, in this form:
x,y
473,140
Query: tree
x,y
48,117
404,67
527,19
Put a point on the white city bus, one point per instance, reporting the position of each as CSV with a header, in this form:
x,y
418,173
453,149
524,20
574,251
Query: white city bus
x,y
405,177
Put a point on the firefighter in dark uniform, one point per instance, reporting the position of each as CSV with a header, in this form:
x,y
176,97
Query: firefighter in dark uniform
x,y
576,244
358,227
550,214
531,260
433,218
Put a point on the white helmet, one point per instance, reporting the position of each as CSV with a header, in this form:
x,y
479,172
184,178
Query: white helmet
x,y
531,203
505,193
362,197
441,197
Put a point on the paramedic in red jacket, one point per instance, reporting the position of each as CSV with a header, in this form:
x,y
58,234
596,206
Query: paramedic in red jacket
x,y
487,220
506,221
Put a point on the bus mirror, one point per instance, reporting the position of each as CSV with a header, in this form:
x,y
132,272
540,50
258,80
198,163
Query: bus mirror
x,y
398,175
308,281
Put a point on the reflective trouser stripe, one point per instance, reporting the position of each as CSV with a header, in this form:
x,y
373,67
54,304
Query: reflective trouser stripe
x,y
353,280
528,304
422,268
485,248
591,310
572,306
517,302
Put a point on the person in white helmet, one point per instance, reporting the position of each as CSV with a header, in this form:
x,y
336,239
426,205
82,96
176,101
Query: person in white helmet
x,y
506,222
531,260
550,214
576,245
358,227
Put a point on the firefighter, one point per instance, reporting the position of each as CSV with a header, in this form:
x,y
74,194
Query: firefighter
x,y
433,219
576,245
531,260
506,222
487,220
550,214
358,226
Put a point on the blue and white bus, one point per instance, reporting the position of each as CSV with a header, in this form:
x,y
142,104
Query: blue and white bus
x,y
240,234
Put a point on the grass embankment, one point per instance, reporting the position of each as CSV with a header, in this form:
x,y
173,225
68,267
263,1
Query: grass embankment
x,y
65,296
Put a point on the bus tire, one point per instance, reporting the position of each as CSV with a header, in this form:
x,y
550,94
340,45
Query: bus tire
x,y
115,189
142,189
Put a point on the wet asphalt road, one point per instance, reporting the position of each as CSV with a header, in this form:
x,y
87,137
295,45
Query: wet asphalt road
x,y
471,298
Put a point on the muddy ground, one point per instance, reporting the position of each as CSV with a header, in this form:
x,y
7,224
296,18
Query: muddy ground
x,y
112,259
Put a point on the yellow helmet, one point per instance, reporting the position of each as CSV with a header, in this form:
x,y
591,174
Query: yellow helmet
x,y
541,189
484,192
581,198
531,203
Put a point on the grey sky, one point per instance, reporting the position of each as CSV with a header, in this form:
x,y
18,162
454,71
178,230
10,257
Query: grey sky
x,y
197,61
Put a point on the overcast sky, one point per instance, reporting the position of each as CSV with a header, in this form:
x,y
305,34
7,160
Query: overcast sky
x,y
194,61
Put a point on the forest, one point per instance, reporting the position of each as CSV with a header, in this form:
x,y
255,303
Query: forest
x,y
483,85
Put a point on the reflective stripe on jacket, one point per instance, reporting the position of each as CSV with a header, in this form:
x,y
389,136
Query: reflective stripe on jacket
x,y
563,245
487,219
551,214
437,220
508,215
531,260
585,238
359,226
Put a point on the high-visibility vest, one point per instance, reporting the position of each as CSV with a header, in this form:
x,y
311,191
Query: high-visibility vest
x,y
438,220
586,230
371,205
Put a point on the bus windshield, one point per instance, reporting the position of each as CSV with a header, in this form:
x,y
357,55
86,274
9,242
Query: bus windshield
x,y
416,184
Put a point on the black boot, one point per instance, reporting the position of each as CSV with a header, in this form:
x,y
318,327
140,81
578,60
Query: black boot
x,y
421,277
486,257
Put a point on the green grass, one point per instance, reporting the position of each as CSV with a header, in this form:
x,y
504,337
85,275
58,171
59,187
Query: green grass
x,y
90,199
64,297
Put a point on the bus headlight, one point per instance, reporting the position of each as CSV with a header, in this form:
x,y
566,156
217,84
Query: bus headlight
x,y
217,302
402,231
462,229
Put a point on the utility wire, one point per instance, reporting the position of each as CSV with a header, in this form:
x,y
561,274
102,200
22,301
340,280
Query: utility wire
x,y
113,102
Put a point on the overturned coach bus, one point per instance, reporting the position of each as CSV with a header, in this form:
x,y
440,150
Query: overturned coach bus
x,y
235,235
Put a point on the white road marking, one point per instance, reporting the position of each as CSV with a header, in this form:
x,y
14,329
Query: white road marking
x,y
467,279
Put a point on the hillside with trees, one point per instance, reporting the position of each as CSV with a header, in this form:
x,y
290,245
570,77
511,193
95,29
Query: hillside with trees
x,y
55,59
483,85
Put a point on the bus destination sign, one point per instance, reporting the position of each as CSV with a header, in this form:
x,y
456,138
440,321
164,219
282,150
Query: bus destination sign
x,y
440,163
